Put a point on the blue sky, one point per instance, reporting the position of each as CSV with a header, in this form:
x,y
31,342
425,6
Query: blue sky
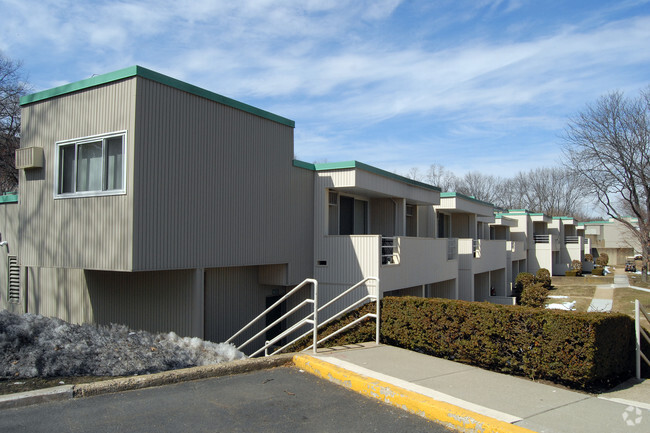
x,y
472,85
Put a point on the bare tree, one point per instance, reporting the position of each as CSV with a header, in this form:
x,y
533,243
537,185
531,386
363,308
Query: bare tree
x,y
554,191
441,177
12,87
483,187
608,145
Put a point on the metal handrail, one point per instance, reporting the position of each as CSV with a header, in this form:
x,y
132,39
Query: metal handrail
x,y
638,311
311,318
350,307
376,315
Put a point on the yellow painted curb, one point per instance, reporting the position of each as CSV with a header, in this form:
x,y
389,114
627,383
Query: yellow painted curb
x,y
438,411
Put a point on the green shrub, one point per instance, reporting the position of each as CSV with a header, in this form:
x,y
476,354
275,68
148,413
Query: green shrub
x,y
524,279
576,265
534,296
571,274
543,276
581,350
597,271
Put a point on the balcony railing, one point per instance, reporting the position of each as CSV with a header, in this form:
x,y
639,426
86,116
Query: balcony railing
x,y
452,248
541,239
572,239
389,253
476,248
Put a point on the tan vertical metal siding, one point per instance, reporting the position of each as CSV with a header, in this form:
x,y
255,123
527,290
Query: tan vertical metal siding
x,y
233,297
444,289
152,301
9,232
212,183
382,216
89,232
59,293
301,235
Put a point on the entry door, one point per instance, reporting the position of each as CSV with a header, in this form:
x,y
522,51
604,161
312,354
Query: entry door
x,y
274,315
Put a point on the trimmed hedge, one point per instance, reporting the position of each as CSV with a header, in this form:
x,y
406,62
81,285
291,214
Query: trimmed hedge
x,y
543,276
582,350
597,271
534,296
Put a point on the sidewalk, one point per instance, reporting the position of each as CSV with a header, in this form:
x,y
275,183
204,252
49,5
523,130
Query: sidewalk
x,y
603,296
472,399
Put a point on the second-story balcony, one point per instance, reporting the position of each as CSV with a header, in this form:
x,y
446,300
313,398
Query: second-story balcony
x,y
517,250
481,255
398,261
552,241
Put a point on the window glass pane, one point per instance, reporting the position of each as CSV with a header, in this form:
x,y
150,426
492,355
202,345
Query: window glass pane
x,y
66,169
360,217
89,167
114,165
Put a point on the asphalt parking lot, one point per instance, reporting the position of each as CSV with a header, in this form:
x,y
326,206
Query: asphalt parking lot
x,y
275,400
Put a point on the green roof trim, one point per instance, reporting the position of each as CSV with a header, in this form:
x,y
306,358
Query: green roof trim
x,y
9,197
360,165
562,218
466,197
139,71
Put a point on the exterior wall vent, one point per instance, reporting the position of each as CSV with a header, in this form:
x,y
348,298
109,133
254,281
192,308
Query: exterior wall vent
x,y
29,157
13,283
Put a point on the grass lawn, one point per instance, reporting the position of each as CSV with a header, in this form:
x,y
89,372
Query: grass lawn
x,y
581,290
578,289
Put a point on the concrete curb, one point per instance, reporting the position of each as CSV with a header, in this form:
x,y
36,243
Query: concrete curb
x,y
138,382
441,412
27,398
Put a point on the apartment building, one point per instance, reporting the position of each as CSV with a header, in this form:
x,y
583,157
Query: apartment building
x,y
150,202
613,238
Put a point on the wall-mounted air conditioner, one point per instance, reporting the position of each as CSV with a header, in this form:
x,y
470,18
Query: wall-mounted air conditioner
x,y
29,157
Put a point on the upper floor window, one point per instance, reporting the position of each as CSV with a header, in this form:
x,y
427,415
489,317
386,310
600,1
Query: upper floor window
x,y
91,166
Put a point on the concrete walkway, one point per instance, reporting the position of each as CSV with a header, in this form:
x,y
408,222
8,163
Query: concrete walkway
x,y
468,398
603,296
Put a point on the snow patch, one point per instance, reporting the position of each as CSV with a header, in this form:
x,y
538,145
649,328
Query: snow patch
x,y
35,346
570,306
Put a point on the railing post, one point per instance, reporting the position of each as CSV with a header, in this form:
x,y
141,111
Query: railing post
x,y
315,284
378,314
637,329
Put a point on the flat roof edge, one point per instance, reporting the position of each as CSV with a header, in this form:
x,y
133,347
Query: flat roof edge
x,y
360,165
139,71
9,198
466,197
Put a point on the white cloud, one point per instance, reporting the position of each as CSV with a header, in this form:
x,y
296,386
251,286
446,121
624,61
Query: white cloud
x,y
459,71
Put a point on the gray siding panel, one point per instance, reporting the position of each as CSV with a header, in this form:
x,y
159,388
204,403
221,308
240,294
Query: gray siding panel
x,y
212,185
233,297
59,293
9,233
89,232
301,216
152,301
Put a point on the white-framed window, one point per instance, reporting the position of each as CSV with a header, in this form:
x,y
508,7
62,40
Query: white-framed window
x,y
91,166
